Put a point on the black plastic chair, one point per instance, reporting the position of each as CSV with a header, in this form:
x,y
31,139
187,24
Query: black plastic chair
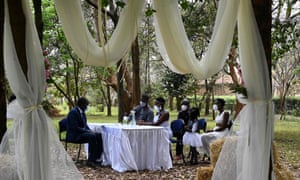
x,y
177,127
62,128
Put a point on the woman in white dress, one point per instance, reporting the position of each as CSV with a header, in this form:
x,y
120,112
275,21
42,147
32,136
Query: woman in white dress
x,y
220,130
191,136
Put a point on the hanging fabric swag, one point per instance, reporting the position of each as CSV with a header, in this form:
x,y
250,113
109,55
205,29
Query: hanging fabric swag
x,y
36,142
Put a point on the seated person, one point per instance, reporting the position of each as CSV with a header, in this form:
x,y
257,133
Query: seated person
x,y
220,130
178,129
161,118
142,111
79,132
183,114
191,136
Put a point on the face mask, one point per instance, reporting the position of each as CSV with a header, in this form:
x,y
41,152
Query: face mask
x,y
215,107
184,107
86,109
157,109
143,104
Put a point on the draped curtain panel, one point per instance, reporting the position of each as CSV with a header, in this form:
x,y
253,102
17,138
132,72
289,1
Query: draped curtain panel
x,y
31,142
35,138
85,46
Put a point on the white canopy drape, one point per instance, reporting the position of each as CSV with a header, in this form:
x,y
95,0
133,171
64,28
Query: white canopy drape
x,y
32,141
254,144
73,24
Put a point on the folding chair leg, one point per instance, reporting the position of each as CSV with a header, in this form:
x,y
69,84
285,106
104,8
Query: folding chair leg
x,y
78,154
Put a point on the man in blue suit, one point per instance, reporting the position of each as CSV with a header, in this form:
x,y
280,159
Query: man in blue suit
x,y
78,131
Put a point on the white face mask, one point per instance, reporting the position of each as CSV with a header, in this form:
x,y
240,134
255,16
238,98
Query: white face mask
x,y
86,109
184,107
215,107
143,104
157,109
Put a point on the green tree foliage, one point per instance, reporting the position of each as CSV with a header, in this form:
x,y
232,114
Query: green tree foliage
x,y
285,27
285,53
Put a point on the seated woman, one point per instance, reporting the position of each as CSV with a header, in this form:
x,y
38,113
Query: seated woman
x,y
161,118
191,136
220,130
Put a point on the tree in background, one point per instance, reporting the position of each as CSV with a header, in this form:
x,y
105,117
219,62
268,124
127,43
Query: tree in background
x,y
176,86
285,54
285,75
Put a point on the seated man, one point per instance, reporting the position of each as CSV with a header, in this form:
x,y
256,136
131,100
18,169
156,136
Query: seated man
x,y
79,132
142,111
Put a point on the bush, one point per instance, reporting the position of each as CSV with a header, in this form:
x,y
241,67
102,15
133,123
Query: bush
x,y
292,105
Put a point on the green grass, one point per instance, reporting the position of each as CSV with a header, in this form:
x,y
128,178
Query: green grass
x,y
287,139
286,132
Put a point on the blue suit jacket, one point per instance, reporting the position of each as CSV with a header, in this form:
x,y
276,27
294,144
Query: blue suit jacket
x,y
76,125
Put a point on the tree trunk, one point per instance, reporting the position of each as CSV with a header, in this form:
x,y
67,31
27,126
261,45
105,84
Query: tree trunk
x,y
17,22
38,19
171,107
120,92
108,101
3,120
136,89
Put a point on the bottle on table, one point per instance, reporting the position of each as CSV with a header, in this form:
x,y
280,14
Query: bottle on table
x,y
133,121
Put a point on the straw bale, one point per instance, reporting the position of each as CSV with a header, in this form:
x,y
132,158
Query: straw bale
x,y
215,149
281,172
204,173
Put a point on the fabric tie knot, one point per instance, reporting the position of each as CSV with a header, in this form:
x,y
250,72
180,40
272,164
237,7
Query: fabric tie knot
x,y
32,108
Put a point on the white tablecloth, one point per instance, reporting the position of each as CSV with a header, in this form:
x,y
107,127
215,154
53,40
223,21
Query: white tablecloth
x,y
129,147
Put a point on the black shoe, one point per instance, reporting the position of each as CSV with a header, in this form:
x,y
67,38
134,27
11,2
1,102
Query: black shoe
x,y
93,164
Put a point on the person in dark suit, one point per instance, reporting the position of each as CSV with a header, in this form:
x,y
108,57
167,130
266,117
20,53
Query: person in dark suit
x,y
78,131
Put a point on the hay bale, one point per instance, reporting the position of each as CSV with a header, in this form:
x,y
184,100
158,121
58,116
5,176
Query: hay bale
x,y
215,149
204,173
281,172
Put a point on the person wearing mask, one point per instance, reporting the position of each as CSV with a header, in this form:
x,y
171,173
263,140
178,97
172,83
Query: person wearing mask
x,y
220,130
143,112
184,114
161,118
78,131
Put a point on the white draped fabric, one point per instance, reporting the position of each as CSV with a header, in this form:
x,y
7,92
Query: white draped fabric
x,y
254,144
85,46
31,142
128,147
34,137
175,47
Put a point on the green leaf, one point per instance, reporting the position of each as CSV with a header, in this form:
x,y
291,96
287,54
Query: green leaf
x,y
184,5
120,4
149,12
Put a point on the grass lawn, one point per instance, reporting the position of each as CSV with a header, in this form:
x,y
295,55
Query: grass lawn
x,y
286,134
